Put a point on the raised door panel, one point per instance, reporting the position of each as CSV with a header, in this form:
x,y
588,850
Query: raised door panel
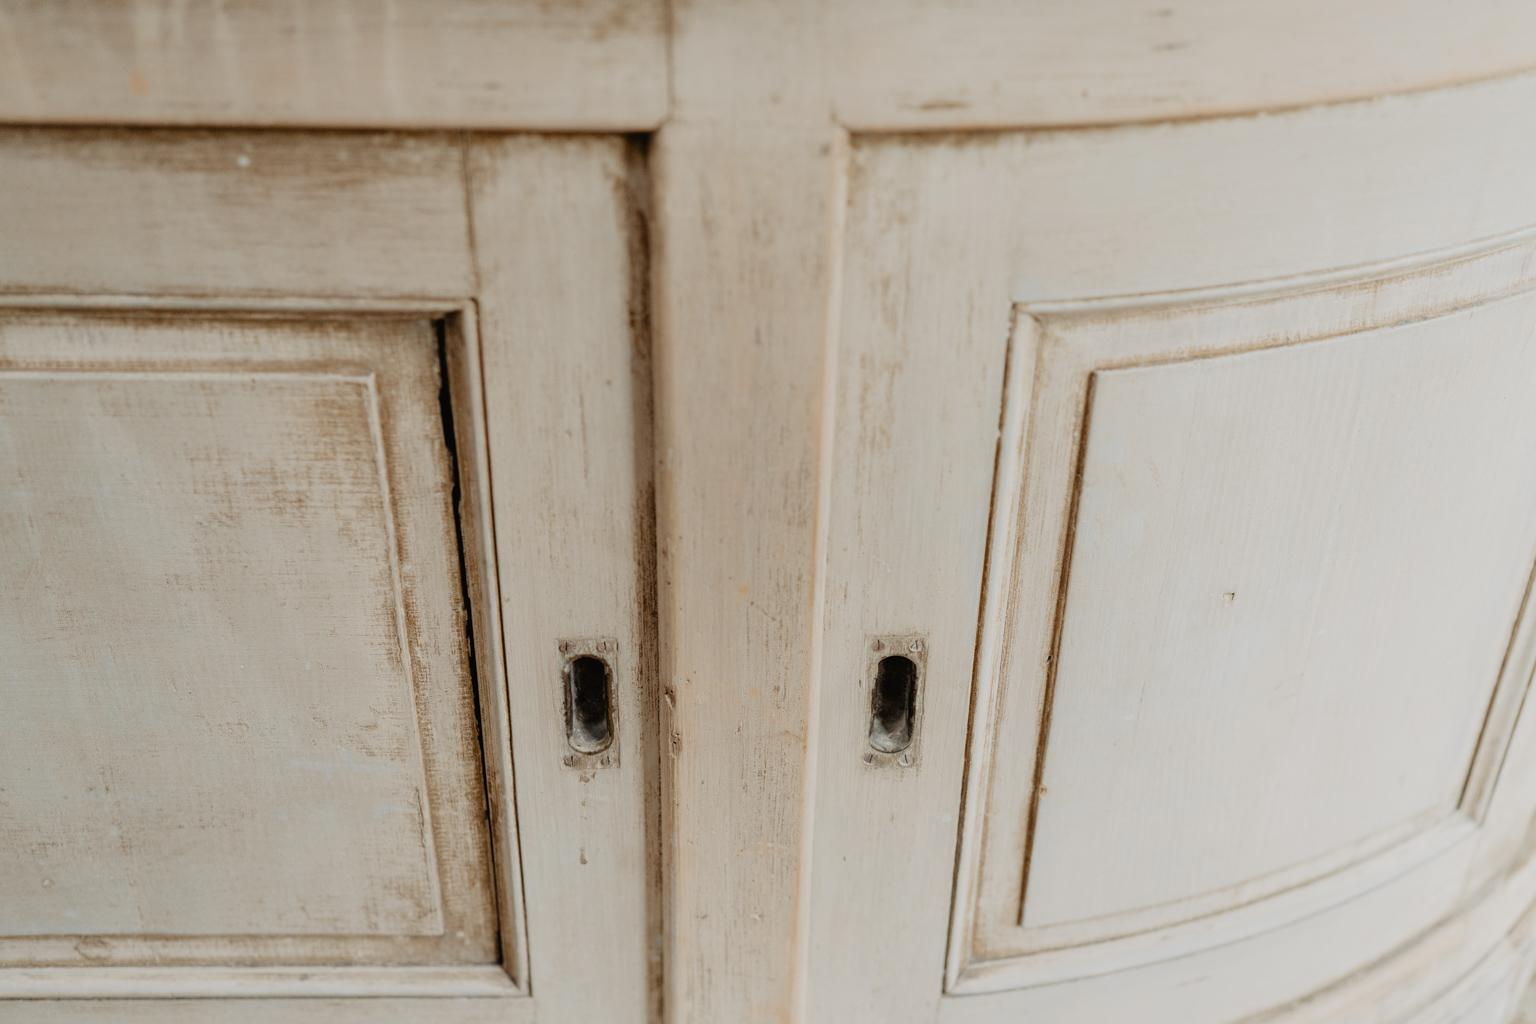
x,y
1260,603
240,724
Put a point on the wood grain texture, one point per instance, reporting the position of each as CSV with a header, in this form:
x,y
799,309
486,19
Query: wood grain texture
x,y
232,214
1002,63
241,723
737,614
747,216
593,64
562,308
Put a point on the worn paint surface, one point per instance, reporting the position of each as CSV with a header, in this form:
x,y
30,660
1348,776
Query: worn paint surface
x,y
235,718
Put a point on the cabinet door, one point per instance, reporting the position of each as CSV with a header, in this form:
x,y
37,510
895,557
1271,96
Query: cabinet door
x,y
1213,587
326,662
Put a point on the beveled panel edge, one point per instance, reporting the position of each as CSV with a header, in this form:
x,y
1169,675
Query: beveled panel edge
x,y
465,388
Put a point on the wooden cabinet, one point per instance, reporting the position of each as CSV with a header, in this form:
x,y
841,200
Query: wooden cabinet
x,y
715,512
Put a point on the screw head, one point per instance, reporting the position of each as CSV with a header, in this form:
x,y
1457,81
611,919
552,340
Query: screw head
x,y
565,647
916,647
569,760
869,758
878,645
905,760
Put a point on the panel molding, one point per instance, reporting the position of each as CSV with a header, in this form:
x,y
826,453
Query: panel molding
x,y
989,950
460,351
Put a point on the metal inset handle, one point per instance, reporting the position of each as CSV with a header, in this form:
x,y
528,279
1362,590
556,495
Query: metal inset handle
x,y
588,679
893,704
894,677
588,714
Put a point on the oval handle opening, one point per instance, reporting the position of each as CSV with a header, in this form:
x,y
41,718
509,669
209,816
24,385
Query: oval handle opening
x,y
893,703
588,716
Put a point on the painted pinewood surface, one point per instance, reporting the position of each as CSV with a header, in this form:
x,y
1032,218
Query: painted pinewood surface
x,y
169,766
746,219
578,64
605,64
842,323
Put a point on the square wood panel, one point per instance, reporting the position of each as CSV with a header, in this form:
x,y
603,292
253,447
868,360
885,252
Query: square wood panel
x,y
240,718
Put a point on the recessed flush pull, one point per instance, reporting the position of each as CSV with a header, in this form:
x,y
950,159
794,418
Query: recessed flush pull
x,y
591,729
892,703
894,681
588,679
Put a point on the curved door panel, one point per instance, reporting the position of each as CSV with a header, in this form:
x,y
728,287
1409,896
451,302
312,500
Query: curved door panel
x,y
1220,561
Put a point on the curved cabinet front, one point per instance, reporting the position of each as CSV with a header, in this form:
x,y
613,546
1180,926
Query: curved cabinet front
x,y
1222,567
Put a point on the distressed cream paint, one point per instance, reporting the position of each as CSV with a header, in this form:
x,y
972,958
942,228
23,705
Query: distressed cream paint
x,y
1155,373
